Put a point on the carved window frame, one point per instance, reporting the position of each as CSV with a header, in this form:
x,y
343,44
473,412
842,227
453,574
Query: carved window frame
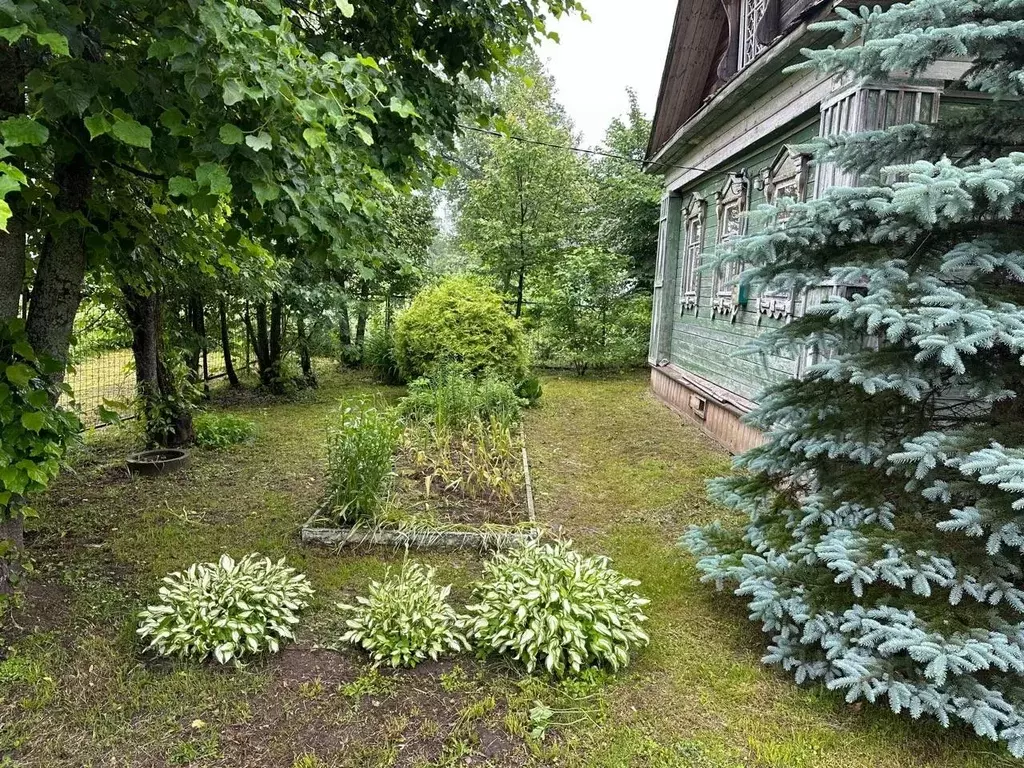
x,y
732,201
691,245
785,177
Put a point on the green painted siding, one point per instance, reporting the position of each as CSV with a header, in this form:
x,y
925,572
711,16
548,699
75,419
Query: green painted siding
x,y
707,344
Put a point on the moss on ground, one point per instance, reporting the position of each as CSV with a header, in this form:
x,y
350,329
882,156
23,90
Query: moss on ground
x,y
614,470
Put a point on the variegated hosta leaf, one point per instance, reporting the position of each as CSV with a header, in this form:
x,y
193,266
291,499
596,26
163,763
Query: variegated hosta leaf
x,y
405,619
548,605
226,609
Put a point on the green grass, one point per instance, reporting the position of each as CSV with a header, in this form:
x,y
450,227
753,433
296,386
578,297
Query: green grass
x,y
614,469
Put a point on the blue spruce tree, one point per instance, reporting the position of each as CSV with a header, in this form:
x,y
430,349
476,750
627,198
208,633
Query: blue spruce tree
x,y
884,546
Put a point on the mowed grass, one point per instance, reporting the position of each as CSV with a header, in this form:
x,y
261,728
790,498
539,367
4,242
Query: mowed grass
x,y
613,469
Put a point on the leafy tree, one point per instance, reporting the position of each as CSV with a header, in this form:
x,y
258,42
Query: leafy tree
x,y
588,317
628,199
289,117
526,203
883,549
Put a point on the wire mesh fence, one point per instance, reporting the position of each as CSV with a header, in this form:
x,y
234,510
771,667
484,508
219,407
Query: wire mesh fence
x,y
103,381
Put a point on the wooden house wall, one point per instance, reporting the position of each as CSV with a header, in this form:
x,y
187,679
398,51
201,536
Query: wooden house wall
x,y
708,344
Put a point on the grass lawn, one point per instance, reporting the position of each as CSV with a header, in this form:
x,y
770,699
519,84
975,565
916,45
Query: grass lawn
x,y
613,469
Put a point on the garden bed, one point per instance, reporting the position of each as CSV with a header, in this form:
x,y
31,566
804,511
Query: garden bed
x,y
451,520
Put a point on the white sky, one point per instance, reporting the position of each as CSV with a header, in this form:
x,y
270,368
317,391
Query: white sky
x,y
624,45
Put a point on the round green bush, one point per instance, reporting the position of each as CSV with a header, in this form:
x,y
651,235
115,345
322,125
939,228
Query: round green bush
x,y
460,322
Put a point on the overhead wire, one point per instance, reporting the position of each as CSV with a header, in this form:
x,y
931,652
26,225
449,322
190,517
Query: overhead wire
x,y
584,150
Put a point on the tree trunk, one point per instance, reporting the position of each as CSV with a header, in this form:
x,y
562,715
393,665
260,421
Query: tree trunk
x,y
225,342
304,357
519,291
344,326
12,242
57,290
168,419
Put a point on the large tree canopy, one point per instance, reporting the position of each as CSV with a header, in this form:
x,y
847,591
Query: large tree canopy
x,y
267,127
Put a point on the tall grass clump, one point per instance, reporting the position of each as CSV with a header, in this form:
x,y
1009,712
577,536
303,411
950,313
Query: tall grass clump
x,y
452,402
463,435
361,443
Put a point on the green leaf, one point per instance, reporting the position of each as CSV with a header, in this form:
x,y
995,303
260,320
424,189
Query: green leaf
x,y
180,186
403,107
55,41
231,134
363,133
19,375
5,214
261,140
234,92
13,34
315,137
345,7
23,130
367,61
132,132
213,176
33,420
97,125
265,191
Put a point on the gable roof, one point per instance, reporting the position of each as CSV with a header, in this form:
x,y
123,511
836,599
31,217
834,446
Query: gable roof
x,y
699,36
699,40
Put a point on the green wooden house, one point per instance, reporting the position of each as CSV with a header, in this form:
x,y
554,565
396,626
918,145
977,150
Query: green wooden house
x,y
728,119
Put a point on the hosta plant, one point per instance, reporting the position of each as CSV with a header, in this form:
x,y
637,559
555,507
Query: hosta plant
x,y
226,609
548,605
405,620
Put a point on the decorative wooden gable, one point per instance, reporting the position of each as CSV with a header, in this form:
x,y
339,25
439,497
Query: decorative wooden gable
x,y
711,41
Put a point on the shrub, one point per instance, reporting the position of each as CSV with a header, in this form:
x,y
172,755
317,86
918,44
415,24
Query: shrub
x,y
215,430
361,444
227,609
405,620
530,389
461,322
451,402
379,357
548,602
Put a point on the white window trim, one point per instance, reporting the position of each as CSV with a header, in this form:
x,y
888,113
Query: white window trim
x,y
786,177
734,194
691,249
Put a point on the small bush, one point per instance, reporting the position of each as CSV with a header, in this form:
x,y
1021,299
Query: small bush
x,y
451,402
215,430
405,620
530,389
361,444
460,322
228,609
548,604
379,357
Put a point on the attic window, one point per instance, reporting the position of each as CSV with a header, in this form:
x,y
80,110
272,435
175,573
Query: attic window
x,y
751,12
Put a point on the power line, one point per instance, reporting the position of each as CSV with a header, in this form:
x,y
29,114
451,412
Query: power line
x,y
525,140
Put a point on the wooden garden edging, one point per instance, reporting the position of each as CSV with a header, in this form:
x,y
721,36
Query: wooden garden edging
x,y
421,538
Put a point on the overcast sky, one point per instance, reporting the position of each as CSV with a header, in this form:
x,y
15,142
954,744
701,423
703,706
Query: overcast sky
x,y
624,45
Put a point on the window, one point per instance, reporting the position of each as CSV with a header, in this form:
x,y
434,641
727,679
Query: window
x,y
692,244
871,108
786,177
751,12
732,204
